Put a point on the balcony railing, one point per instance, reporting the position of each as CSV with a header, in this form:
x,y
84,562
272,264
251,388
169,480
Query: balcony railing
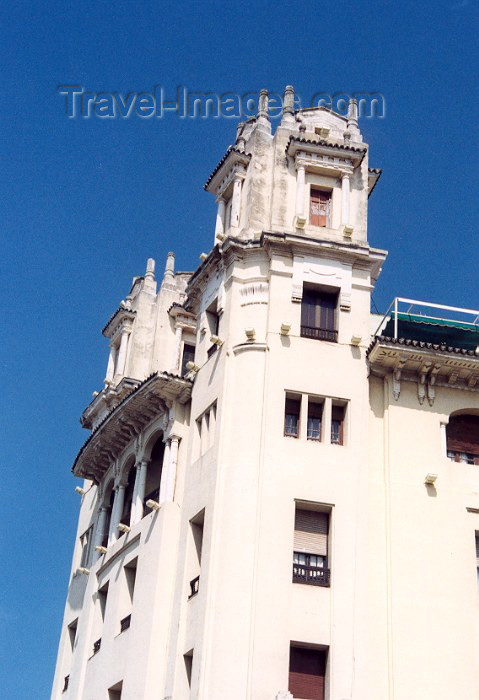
x,y
194,587
319,333
125,623
312,575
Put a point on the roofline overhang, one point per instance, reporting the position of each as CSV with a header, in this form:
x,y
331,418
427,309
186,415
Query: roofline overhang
x,y
232,157
141,406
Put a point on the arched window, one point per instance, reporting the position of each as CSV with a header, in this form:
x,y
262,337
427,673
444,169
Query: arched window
x,y
462,437
153,476
127,503
108,504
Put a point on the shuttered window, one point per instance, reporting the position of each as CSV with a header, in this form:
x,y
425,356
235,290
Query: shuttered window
x,y
307,670
462,434
311,532
318,314
320,208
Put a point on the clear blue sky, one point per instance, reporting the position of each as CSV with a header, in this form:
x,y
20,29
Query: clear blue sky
x,y
85,202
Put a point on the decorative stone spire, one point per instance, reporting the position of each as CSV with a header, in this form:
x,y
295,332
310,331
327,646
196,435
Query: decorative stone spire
x,y
170,265
353,115
262,116
150,269
240,139
288,105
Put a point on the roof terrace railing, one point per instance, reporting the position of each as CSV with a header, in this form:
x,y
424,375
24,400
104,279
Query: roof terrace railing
x,y
395,312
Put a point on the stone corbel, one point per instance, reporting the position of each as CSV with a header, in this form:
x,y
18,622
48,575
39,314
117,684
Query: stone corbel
x,y
397,371
431,389
421,382
472,381
453,377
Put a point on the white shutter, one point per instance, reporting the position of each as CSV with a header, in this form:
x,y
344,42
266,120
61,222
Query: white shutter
x,y
311,532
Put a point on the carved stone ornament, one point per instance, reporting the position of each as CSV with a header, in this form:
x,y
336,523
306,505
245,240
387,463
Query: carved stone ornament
x,y
328,273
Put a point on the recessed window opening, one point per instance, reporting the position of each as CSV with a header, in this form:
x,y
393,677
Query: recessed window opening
x,y
196,547
188,658
86,544
102,597
318,314
292,413
128,500
307,672
72,632
109,501
320,208
213,322
114,693
153,474
315,417
462,437
188,356
310,555
338,412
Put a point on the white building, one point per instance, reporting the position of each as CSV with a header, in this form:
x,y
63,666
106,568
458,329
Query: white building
x,y
281,490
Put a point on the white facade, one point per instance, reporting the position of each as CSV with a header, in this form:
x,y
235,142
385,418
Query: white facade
x,y
196,594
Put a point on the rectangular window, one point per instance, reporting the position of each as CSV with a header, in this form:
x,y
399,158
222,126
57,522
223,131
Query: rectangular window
x,y
320,208
307,672
291,416
338,413
195,550
72,632
310,556
114,693
315,415
188,356
213,321
477,555
188,657
86,543
318,315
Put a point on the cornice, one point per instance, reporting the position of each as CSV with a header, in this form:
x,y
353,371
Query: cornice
x,y
124,422
233,159
120,316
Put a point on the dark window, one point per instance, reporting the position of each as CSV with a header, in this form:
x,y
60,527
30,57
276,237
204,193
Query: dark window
x,y
65,683
462,435
310,556
318,315
291,417
315,414
125,623
86,543
96,646
307,671
188,356
320,208
337,424
127,503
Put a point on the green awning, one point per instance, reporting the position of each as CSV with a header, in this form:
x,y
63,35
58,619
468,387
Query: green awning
x,y
457,334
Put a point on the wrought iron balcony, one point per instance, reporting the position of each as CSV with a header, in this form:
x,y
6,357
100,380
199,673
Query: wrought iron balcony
x,y
312,575
319,333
